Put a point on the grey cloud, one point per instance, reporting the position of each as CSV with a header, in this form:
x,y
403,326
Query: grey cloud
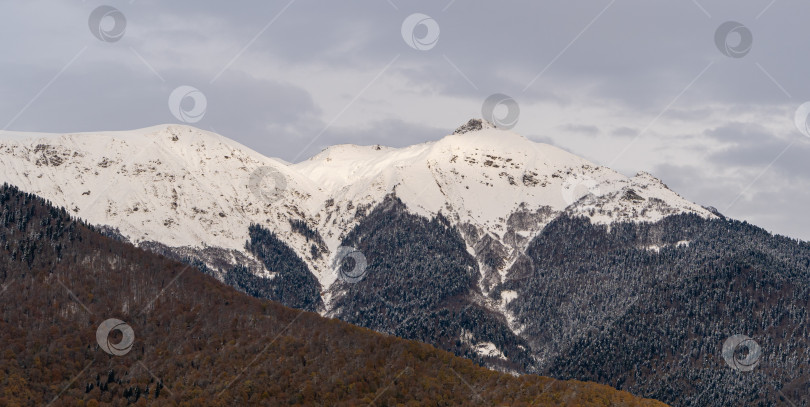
x,y
748,145
690,114
582,129
739,133
625,131
788,159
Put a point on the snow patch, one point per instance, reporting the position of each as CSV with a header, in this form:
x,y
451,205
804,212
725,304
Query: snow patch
x,y
508,296
486,349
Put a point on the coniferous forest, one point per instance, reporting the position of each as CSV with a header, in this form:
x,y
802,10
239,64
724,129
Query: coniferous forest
x,y
643,307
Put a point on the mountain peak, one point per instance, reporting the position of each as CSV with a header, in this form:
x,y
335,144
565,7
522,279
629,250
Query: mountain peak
x,y
474,125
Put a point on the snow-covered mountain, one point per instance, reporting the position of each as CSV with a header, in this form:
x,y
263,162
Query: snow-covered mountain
x,y
197,192
515,254
482,177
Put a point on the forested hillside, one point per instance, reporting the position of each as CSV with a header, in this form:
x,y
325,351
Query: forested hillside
x,y
293,284
421,283
647,307
644,307
200,342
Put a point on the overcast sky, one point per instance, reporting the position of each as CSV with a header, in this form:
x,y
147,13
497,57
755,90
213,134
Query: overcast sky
x,y
636,85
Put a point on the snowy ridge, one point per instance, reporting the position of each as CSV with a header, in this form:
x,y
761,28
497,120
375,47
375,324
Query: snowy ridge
x,y
499,186
175,185
484,176
187,188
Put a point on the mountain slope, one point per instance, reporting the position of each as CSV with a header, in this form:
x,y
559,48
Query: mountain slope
x,y
198,342
648,308
514,254
173,185
420,283
480,177
196,192
488,182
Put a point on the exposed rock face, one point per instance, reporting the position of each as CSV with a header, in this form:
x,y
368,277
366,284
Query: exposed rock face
x,y
474,125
